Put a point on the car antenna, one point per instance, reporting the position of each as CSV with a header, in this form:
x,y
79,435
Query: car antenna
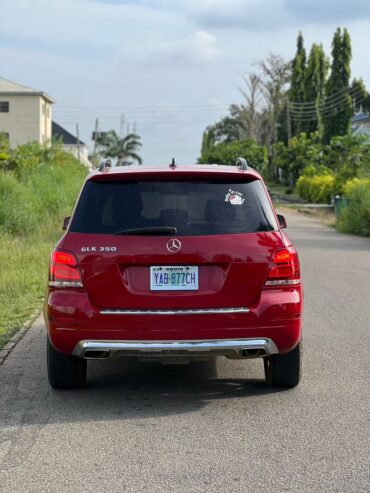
x,y
173,164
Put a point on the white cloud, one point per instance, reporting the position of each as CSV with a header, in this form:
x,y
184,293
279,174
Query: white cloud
x,y
85,21
203,46
199,47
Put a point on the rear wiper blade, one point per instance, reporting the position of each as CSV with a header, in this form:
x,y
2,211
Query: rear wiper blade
x,y
152,230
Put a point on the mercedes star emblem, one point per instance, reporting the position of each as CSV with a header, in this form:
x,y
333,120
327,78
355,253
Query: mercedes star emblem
x,y
174,245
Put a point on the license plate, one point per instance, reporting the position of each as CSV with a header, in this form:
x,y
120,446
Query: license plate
x,y
173,278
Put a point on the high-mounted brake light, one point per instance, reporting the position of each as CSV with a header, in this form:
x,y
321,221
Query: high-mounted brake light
x,y
284,268
64,272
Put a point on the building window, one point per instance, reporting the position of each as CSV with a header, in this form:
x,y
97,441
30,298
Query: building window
x,y
4,136
4,106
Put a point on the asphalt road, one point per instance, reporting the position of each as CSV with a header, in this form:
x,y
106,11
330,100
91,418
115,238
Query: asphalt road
x,y
209,428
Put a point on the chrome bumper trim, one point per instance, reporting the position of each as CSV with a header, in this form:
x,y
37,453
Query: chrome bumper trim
x,y
177,348
186,311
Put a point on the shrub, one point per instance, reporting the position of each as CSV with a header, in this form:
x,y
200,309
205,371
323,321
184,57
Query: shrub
x,y
18,207
35,195
39,190
316,188
355,218
227,153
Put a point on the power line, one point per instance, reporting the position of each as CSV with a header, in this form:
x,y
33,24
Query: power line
x,y
364,79
326,103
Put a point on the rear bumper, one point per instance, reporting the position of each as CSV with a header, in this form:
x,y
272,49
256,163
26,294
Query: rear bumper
x,y
73,320
245,348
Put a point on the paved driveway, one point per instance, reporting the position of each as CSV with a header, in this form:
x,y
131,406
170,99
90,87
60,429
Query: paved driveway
x,y
207,428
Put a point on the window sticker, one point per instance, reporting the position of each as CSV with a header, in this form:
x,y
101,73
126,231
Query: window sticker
x,y
234,197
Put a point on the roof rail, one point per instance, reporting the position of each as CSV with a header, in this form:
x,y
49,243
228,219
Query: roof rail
x,y
105,165
242,164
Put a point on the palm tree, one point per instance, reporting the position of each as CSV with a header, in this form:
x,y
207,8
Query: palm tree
x,y
111,145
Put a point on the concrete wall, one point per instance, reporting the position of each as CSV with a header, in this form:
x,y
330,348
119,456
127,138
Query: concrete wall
x,y
28,120
84,154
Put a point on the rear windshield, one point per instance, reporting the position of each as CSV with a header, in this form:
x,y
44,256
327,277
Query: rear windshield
x,y
194,208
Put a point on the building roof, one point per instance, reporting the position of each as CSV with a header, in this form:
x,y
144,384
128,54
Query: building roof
x,y
10,88
61,134
360,116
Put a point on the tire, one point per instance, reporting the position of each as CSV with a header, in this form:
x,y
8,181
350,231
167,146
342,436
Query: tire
x,y
65,371
284,370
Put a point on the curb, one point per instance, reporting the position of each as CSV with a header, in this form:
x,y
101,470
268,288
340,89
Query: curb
x,y
13,341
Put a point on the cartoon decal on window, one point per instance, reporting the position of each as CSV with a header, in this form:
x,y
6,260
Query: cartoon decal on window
x,y
234,197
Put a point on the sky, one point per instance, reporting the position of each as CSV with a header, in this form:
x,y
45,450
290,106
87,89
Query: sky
x,y
168,68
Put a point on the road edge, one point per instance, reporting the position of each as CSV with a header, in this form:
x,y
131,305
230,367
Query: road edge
x,y
13,341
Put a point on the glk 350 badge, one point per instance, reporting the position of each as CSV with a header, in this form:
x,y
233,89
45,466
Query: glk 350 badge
x,y
98,249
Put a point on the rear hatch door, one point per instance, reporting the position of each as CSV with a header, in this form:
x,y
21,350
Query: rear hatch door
x,y
226,231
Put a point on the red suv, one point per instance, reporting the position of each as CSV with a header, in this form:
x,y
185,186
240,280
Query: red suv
x,y
174,264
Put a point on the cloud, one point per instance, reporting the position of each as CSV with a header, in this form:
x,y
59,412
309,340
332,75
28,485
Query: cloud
x,y
266,15
329,11
70,22
199,47
243,14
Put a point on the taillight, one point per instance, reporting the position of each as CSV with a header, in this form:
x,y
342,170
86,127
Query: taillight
x,y
284,268
64,272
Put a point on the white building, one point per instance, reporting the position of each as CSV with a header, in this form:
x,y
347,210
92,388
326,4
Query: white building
x,y
25,114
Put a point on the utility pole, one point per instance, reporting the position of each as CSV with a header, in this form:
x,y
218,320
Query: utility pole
x,y
288,122
96,134
122,125
78,143
134,128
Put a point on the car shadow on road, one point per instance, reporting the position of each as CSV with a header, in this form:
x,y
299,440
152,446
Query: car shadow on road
x,y
124,389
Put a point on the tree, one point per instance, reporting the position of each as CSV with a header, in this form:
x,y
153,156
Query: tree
x,y
360,96
337,110
316,74
228,152
274,79
110,144
298,78
249,112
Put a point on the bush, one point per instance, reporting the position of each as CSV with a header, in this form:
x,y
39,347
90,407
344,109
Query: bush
x,y
227,153
355,218
36,192
41,188
316,188
18,207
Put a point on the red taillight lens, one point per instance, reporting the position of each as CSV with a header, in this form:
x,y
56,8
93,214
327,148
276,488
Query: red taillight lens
x,y
284,268
64,271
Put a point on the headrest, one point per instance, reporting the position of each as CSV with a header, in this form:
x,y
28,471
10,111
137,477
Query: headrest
x,y
219,211
174,217
129,204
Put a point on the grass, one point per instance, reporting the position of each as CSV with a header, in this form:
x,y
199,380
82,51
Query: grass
x,y
282,189
33,205
23,280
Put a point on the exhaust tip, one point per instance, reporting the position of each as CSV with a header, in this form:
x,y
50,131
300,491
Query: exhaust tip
x,y
253,352
89,354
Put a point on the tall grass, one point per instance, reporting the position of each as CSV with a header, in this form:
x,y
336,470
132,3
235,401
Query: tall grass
x,y
34,198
